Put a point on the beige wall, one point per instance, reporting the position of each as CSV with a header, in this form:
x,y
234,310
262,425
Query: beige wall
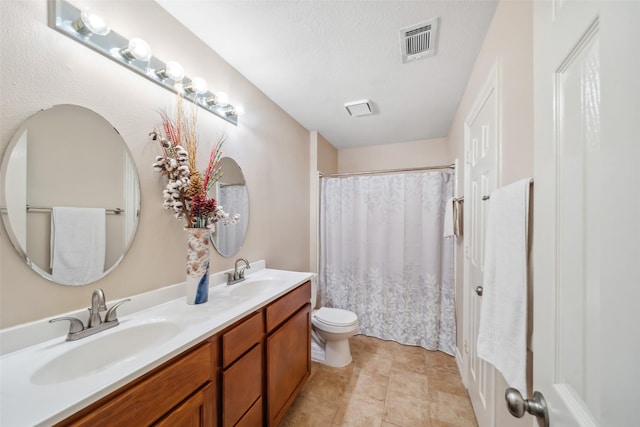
x,y
509,39
327,156
429,152
41,67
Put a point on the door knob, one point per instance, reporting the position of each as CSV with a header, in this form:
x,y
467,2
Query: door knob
x,y
479,290
517,405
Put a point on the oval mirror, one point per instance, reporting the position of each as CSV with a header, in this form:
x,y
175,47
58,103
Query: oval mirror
x,y
231,193
70,198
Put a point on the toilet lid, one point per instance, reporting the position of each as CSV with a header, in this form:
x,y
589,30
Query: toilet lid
x,y
336,316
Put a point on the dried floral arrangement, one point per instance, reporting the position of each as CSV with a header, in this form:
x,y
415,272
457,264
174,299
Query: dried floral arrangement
x,y
187,188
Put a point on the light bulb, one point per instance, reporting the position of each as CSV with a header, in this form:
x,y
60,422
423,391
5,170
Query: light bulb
x,y
171,70
137,49
223,98
198,85
239,110
90,23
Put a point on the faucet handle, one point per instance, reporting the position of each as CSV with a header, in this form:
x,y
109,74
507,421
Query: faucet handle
x,y
75,325
111,315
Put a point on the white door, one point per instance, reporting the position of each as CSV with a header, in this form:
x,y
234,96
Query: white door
x,y
587,211
481,152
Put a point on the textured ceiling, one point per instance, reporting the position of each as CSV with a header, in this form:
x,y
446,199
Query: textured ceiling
x,y
311,57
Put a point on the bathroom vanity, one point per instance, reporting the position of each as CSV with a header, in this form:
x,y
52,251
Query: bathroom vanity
x,y
245,370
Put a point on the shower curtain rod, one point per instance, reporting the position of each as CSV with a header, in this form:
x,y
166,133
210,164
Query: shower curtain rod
x,y
426,168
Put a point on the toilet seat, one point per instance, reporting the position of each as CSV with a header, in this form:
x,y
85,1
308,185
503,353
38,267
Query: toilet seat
x,y
336,317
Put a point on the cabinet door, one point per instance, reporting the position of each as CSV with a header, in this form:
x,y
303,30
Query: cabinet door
x,y
197,411
241,386
288,363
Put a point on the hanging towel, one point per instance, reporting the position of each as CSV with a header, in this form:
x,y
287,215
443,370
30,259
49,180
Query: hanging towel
x,y
502,333
449,218
457,217
78,244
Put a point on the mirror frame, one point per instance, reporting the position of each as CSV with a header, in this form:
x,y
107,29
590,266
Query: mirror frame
x,y
3,198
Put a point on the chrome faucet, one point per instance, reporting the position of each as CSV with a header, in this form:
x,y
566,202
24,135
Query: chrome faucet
x,y
237,275
95,323
97,306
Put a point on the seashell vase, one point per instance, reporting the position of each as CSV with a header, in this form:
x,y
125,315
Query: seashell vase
x,y
197,265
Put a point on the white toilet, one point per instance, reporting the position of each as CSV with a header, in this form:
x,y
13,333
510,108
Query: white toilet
x,y
330,332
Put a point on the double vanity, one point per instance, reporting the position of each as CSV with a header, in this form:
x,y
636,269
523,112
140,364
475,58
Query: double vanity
x,y
238,360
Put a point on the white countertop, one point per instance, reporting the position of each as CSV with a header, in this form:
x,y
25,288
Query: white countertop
x,y
27,398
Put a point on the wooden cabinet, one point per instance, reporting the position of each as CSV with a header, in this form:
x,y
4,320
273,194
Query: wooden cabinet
x,y
153,396
288,350
246,376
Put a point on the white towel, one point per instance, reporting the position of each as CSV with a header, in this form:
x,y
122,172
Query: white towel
x,y
502,334
78,244
448,219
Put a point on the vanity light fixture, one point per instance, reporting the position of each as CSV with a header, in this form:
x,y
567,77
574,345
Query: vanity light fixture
x,y
90,23
136,49
92,30
172,70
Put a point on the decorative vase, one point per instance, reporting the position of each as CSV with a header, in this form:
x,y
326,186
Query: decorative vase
x,y
197,265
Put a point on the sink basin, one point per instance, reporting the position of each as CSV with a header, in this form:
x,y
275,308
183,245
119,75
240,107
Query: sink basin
x,y
253,287
107,350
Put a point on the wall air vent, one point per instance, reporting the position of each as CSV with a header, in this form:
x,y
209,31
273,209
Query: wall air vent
x,y
419,41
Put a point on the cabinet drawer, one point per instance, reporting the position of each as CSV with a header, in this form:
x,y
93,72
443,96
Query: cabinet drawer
x,y
253,417
150,399
280,310
241,386
241,338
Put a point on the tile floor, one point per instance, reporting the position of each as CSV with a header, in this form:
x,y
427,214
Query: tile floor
x,y
386,385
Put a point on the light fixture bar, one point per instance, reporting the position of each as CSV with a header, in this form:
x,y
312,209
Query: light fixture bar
x,y
62,16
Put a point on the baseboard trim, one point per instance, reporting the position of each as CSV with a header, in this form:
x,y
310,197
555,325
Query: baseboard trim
x,y
460,364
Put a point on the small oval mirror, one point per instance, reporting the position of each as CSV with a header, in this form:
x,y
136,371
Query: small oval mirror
x,y
231,193
70,197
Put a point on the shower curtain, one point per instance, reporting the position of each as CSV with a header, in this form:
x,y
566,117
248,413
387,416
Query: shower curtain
x,y
233,198
383,256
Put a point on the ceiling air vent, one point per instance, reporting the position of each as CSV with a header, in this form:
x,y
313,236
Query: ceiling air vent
x,y
419,41
359,108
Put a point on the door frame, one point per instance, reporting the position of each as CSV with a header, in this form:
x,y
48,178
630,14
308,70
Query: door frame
x,y
492,85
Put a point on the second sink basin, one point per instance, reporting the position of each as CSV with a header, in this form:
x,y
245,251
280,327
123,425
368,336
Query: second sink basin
x,y
106,350
253,287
